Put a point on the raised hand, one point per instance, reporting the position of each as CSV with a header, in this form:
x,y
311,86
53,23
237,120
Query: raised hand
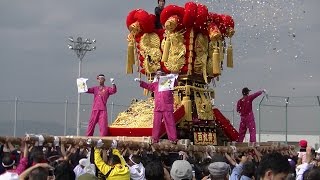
x,y
114,144
112,80
99,143
265,93
137,79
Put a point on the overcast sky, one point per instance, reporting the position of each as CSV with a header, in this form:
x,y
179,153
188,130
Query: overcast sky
x,y
276,47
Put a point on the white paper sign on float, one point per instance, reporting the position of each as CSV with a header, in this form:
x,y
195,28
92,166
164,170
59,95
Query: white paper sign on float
x,y
166,83
82,85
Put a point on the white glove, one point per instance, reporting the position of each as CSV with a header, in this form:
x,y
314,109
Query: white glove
x,y
184,155
212,102
234,149
89,141
265,93
112,80
114,144
56,141
137,79
100,143
40,140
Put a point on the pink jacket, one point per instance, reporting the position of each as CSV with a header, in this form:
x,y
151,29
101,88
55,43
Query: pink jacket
x,y
163,100
23,164
101,96
244,105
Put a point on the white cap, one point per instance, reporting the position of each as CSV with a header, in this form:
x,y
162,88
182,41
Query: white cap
x,y
137,172
318,151
9,176
84,162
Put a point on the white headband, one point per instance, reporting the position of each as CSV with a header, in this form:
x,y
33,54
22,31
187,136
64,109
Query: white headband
x,y
9,164
130,158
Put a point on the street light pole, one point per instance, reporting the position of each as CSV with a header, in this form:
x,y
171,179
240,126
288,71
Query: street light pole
x,y
80,47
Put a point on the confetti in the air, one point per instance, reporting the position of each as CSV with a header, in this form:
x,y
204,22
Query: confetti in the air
x,y
262,23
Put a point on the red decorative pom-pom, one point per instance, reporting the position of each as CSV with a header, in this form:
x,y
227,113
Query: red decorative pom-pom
x,y
144,19
228,21
190,14
130,18
172,11
202,18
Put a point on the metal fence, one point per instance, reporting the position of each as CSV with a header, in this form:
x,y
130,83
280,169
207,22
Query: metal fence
x,y
289,116
274,115
23,116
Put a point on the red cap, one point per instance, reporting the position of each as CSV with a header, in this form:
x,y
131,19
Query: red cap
x,y
303,143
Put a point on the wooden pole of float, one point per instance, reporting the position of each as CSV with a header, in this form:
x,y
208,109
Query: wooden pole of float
x,y
145,143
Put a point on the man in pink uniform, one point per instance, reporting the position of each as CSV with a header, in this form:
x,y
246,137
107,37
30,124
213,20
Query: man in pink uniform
x,y
163,109
244,107
99,110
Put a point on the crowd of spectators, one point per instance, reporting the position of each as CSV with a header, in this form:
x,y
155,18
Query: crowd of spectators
x,y
60,161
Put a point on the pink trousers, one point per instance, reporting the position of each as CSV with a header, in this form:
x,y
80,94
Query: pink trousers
x,y
247,122
169,123
98,116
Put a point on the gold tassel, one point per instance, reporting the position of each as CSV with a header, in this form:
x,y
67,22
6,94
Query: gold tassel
x,y
190,65
166,49
221,51
147,67
176,98
145,92
187,107
230,55
137,61
216,62
190,52
188,91
139,72
204,73
130,58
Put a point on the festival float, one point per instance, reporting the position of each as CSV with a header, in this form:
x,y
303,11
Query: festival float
x,y
194,43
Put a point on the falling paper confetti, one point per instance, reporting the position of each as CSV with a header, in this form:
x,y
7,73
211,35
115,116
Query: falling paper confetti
x,y
261,21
